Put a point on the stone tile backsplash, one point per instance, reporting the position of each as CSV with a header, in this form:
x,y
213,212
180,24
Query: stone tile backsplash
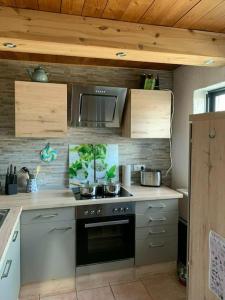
x,y
25,152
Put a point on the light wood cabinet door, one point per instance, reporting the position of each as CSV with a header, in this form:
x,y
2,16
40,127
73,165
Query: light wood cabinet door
x,y
40,109
207,207
198,237
147,114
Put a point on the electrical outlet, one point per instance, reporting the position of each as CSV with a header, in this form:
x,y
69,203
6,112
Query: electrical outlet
x,y
138,167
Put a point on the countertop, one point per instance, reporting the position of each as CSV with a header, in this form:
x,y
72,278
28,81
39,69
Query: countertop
x,y
65,198
183,191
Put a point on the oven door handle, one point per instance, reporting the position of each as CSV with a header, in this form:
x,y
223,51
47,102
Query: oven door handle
x,y
108,223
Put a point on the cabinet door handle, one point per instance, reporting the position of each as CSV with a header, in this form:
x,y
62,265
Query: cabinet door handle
x,y
162,205
212,133
157,232
15,235
7,268
61,229
157,219
159,245
47,216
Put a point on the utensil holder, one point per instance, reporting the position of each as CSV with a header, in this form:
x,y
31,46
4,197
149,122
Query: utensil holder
x,y
32,185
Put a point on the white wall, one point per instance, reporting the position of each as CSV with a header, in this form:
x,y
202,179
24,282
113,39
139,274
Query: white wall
x,y
186,80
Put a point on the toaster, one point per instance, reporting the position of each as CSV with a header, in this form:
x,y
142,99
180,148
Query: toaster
x,y
150,177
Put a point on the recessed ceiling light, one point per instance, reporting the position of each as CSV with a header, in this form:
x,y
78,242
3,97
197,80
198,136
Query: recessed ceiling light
x,y
121,54
209,62
9,45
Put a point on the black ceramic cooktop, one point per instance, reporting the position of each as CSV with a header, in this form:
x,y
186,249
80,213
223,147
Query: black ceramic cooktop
x,y
100,195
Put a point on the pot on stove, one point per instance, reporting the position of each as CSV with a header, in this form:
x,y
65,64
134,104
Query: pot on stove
x,y
111,188
87,189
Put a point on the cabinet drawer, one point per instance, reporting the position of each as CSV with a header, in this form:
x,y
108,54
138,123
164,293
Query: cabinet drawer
x,y
48,215
156,206
156,250
154,231
156,218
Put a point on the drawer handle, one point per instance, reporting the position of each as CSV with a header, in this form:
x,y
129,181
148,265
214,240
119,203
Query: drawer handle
x,y
157,219
157,232
7,268
47,216
61,229
15,235
158,206
152,245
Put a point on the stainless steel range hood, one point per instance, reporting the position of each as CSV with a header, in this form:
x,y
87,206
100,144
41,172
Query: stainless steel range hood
x,y
97,106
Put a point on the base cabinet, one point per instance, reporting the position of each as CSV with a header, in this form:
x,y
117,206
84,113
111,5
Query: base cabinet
x,y
156,231
48,247
10,272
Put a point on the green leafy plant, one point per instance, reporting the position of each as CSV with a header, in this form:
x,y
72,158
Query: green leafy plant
x,y
100,151
75,167
85,152
111,173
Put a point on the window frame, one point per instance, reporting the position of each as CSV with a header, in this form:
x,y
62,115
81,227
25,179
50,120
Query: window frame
x,y
210,99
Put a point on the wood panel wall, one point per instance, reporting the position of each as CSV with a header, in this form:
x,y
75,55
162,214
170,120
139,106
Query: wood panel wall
x,y
25,152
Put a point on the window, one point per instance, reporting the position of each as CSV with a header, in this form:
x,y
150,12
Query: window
x,y
215,100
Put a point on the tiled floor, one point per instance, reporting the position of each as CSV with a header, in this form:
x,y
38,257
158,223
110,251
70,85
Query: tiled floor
x,y
120,285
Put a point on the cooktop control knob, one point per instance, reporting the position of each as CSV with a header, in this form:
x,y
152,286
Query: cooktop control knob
x,y
92,212
127,209
98,212
86,212
121,209
115,210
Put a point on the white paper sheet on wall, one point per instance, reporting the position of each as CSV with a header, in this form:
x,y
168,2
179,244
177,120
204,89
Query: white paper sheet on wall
x,y
217,264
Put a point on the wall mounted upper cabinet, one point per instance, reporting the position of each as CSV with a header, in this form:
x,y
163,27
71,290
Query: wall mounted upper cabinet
x,y
40,109
147,114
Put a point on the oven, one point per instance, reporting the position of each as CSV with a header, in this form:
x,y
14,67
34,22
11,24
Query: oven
x,y
104,233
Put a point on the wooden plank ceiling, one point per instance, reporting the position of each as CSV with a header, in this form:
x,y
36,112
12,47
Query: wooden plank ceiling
x,y
207,15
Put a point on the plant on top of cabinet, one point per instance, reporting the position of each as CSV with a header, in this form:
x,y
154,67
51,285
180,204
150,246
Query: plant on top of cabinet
x,y
147,114
40,109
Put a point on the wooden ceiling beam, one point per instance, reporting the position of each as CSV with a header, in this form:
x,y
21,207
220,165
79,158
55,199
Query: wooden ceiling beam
x,y
58,34
84,61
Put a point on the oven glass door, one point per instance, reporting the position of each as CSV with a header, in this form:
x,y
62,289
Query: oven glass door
x,y
105,239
